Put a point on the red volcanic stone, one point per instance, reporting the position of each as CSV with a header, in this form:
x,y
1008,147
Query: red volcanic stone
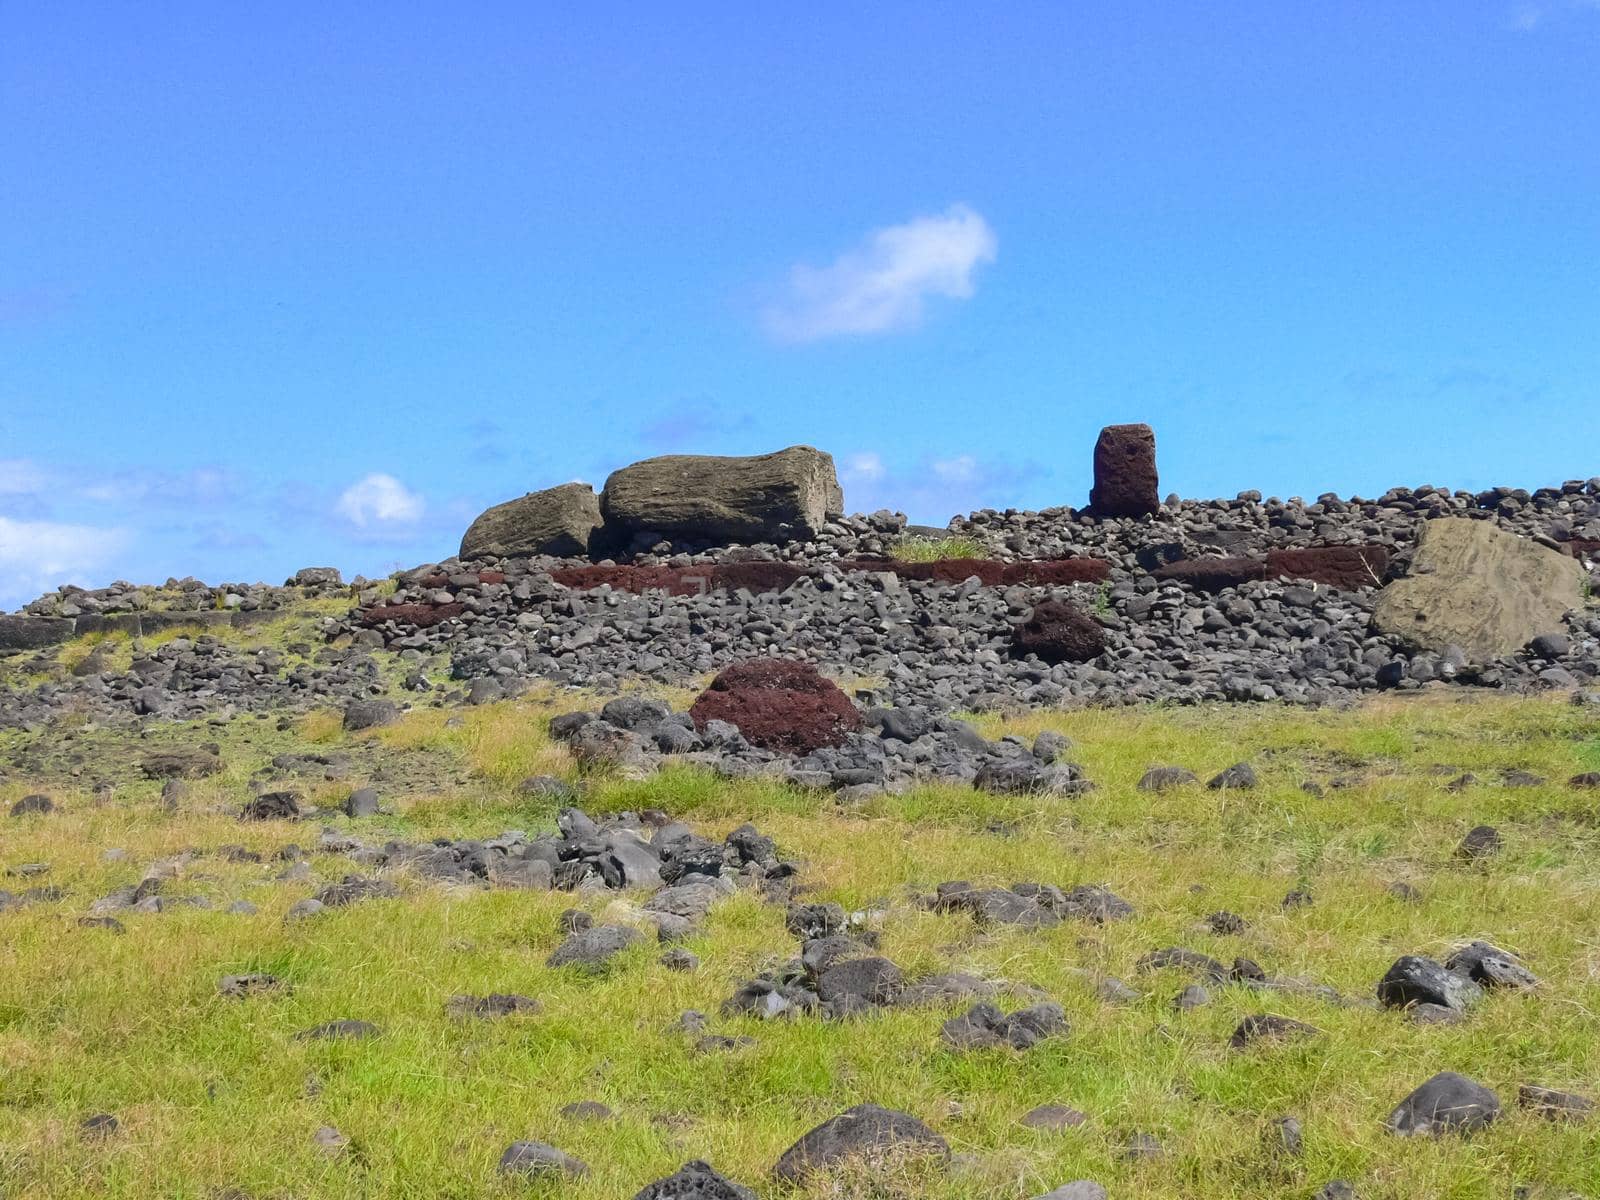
x,y
1581,548
1057,632
778,705
420,616
682,581
1347,567
491,576
435,581
990,572
1048,572
1213,574
1125,483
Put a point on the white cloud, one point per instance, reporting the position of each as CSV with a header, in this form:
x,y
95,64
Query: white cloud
x,y
866,467
1531,14
379,500
961,469
21,477
931,490
36,556
201,486
881,286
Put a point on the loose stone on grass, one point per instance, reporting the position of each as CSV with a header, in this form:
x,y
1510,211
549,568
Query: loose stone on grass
x,y
1447,1103
1554,1105
1269,1027
696,1181
1053,1118
593,949
1480,843
985,1026
1415,980
539,1159
866,1133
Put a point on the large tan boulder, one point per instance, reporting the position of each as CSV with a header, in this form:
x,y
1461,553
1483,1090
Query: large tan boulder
x,y
786,496
556,521
1477,587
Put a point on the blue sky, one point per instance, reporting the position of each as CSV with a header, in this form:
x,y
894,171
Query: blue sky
x,y
311,283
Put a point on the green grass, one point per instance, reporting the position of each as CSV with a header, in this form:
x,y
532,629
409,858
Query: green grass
x,y
216,1094
915,548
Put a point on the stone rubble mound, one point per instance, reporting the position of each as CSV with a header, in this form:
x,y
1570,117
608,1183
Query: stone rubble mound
x,y
717,561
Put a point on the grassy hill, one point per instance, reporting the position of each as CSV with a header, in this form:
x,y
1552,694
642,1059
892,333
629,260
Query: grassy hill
x,y
216,1097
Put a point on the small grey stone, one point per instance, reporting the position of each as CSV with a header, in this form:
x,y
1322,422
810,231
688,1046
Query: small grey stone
x,y
1240,775
593,949
363,802
1447,1103
1053,1117
538,1159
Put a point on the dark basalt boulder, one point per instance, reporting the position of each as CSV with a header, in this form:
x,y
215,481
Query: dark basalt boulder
x,y
1125,480
369,714
780,497
1447,1103
1269,1027
872,980
1490,966
272,806
696,1181
557,521
984,1026
1415,980
1160,779
35,805
593,949
539,1159
1057,632
864,1133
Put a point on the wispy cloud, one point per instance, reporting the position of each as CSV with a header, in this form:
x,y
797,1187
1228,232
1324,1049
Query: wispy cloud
x,y
931,489
1534,14
39,555
22,477
883,285
865,467
379,503
201,486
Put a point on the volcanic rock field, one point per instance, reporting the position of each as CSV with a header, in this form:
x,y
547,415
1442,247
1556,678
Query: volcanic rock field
x,y
694,840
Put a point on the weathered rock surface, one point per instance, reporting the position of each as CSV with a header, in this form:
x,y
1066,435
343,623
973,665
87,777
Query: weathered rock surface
x,y
785,496
558,521
778,705
1125,479
696,1181
1447,1103
1415,980
538,1159
1475,587
984,1026
864,1133
1056,632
